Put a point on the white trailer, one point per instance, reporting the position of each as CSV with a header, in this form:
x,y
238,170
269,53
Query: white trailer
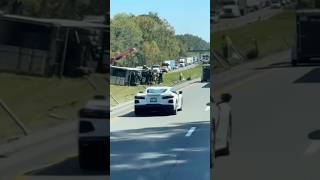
x,y
234,8
189,60
253,5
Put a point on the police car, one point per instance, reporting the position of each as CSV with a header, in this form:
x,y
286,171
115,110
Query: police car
x,y
160,99
94,133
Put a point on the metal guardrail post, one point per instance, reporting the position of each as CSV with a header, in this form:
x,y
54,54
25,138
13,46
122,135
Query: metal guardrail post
x,y
114,98
16,120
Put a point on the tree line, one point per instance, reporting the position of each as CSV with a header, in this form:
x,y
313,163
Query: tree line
x,y
70,9
154,39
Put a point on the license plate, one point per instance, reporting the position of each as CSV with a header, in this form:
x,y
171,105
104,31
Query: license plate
x,y
153,99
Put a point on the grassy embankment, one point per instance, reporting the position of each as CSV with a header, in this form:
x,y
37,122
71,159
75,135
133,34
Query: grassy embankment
x,y
273,35
35,99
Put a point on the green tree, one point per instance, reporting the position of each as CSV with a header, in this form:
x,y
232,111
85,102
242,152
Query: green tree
x,y
151,53
153,37
193,42
125,33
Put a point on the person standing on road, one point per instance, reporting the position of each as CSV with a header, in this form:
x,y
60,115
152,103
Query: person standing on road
x,y
149,77
160,77
181,76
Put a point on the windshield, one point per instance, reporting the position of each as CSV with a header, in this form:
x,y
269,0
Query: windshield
x,y
156,90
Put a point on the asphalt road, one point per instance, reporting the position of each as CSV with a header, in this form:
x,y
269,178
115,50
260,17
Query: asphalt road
x,y
164,142
276,127
161,147
50,158
229,23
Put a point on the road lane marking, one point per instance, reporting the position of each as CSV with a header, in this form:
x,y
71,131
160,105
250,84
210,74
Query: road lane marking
x,y
313,148
191,130
207,108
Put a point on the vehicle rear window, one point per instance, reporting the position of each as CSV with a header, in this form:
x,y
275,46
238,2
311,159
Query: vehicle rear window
x,y
156,90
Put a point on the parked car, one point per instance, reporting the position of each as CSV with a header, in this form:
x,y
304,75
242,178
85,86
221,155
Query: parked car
x,y
158,99
93,133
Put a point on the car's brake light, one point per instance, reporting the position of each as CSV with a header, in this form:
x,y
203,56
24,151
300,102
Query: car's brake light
x,y
167,97
139,97
85,127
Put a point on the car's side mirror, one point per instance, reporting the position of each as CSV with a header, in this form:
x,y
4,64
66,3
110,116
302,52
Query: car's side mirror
x,y
180,92
225,98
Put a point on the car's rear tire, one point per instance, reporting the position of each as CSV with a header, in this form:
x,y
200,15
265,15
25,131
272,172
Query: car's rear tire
x,y
84,161
174,111
137,112
94,158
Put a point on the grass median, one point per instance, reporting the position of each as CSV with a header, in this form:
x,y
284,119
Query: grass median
x,y
272,35
126,93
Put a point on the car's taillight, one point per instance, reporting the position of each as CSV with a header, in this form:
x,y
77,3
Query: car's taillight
x,y
167,97
85,127
170,101
136,101
139,97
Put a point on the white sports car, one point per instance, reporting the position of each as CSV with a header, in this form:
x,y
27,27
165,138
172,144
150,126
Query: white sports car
x,y
94,134
161,99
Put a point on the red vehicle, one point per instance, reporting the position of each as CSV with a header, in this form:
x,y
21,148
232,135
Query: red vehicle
x,y
123,54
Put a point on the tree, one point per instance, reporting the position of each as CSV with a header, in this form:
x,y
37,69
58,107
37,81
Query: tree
x,y
193,42
151,53
125,33
153,37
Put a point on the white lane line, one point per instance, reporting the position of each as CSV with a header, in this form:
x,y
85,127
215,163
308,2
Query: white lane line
x,y
313,148
191,130
207,108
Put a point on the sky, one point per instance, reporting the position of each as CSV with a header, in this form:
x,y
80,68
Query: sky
x,y
186,16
